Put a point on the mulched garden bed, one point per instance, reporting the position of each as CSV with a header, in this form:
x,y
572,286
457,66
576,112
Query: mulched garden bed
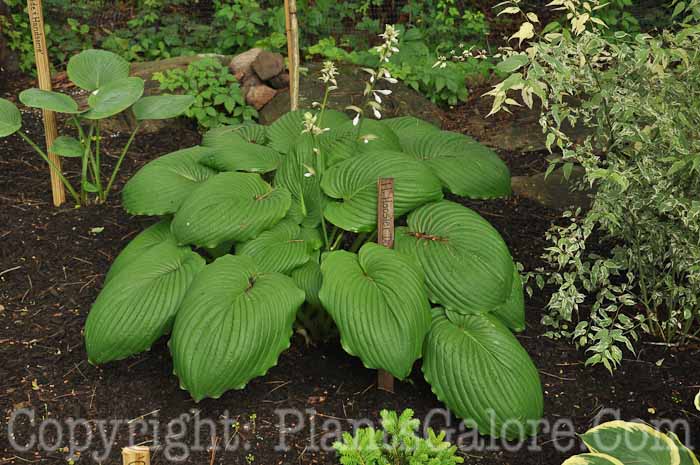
x,y
52,265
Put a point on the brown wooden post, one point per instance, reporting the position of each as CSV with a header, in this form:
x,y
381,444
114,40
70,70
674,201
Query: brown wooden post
x,y
137,455
292,23
43,71
385,237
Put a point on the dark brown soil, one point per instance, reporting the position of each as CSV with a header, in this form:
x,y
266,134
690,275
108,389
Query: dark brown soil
x,y
52,264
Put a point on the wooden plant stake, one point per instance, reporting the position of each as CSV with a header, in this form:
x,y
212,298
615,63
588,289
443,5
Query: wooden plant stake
x,y
41,54
292,23
385,237
137,455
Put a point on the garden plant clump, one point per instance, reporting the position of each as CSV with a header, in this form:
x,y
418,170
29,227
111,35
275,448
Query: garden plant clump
x,y
449,292
637,95
106,76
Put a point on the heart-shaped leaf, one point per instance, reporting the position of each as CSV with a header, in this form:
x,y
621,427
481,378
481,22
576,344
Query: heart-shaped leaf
x,y
282,248
48,100
409,126
138,304
354,183
160,187
465,167
480,371
372,135
10,118
308,278
229,207
162,106
232,326
114,97
67,146
632,443
378,301
467,265
92,69
592,459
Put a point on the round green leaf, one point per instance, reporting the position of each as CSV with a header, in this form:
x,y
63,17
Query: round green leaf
x,y
482,373
465,167
512,312
284,133
632,443
229,207
409,126
592,459
92,69
372,135
354,183
378,301
67,146
162,106
10,118
114,97
232,326
282,248
138,304
467,265
48,100
160,187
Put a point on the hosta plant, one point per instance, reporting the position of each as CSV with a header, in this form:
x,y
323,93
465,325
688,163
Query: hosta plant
x,y
259,220
106,76
625,443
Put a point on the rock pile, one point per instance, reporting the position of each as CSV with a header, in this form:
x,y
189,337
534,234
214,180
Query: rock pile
x,y
261,75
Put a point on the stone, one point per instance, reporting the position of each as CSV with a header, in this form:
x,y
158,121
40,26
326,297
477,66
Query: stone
x,y
553,191
241,64
259,96
249,82
281,81
404,101
268,65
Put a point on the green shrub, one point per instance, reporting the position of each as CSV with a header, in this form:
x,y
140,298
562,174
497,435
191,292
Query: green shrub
x,y
620,442
637,97
217,96
397,444
230,316
106,76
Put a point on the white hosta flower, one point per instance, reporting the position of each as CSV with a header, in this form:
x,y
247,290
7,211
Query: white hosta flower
x,y
356,120
310,125
329,74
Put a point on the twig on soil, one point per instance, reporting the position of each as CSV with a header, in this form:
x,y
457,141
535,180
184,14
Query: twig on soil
x,y
10,269
557,377
142,416
283,384
215,444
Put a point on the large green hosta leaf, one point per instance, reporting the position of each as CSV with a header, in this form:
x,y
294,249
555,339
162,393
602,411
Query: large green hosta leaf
x,y
138,303
633,443
243,156
92,69
480,371
282,248
686,455
512,312
229,207
161,186
308,278
409,126
372,135
152,236
467,265
114,97
377,300
10,118
354,183
232,326
298,175
222,136
48,100
284,133
464,166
